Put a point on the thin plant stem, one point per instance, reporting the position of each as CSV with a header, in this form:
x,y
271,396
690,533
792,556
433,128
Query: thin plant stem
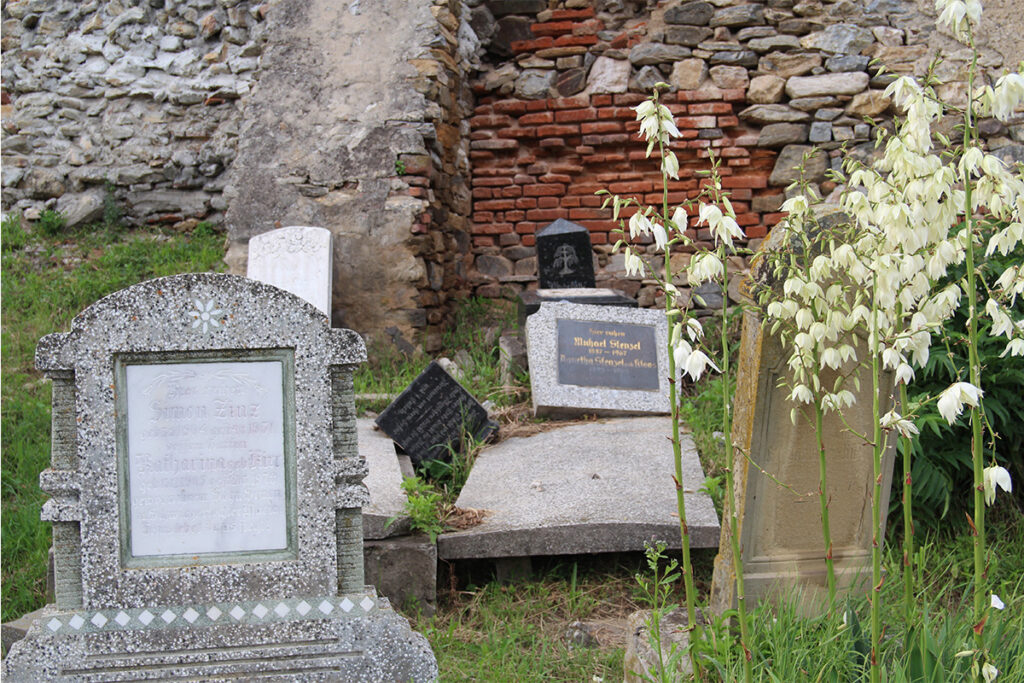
x,y
908,521
876,494
826,529
677,454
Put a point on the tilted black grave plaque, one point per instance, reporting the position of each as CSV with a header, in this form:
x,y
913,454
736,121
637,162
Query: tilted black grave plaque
x,y
431,414
564,256
607,354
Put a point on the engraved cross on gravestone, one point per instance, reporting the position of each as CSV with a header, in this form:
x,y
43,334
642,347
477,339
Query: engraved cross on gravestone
x,y
564,256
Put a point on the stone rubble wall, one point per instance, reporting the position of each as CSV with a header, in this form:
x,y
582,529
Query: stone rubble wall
x,y
758,84
140,101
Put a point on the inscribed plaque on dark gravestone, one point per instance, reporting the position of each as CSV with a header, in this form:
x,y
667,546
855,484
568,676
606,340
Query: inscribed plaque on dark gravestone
x,y
607,354
564,256
429,418
597,360
205,495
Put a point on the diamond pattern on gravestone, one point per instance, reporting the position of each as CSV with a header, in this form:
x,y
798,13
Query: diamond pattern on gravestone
x,y
98,620
122,618
366,603
76,622
237,613
168,616
303,608
190,615
54,624
146,617
281,609
326,607
347,605
260,611
213,613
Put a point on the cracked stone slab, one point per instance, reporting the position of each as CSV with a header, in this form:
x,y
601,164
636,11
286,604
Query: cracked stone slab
x,y
384,480
584,488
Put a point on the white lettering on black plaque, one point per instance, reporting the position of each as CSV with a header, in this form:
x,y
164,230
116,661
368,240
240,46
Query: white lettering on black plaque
x,y
604,354
205,458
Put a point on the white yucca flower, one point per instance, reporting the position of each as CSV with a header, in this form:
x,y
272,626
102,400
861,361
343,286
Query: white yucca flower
x,y
801,394
996,603
996,476
704,267
634,264
660,236
639,224
1007,95
679,217
893,420
952,400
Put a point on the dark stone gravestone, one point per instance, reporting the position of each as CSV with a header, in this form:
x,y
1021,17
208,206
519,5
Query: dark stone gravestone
x,y
429,417
206,489
564,256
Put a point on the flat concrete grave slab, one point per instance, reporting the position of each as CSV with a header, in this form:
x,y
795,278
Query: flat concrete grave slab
x,y
384,481
597,360
297,259
430,416
585,488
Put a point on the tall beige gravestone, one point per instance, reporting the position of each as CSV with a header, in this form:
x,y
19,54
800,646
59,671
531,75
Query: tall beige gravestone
x,y
780,528
297,259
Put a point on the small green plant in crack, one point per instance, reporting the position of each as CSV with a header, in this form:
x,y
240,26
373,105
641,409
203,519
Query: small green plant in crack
x,y
399,167
423,507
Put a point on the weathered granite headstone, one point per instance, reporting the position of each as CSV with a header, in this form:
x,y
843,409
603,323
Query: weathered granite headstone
x,y
564,256
597,360
531,299
431,415
780,528
296,259
205,495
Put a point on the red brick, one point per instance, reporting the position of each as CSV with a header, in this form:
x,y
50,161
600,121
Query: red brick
x,y
548,202
750,181
570,202
548,190
526,203
758,230
555,131
629,99
509,107
703,95
728,152
483,241
552,142
566,168
482,110
728,122
512,191
531,45
560,14
696,122
599,237
529,240
482,216
539,117
495,205
555,178
698,144
517,133
592,201
421,192
489,121
745,219
493,228
524,179
515,216
575,102
597,228
580,214
601,100
601,127
734,95
739,162
585,188
480,192
566,41
575,115
526,228
631,187
546,214
480,154
493,144
536,105
551,28
710,108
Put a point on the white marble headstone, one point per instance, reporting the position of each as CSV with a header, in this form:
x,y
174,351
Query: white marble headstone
x,y
296,259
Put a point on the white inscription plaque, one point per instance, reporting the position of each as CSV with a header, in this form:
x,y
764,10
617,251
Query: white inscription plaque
x,y
205,457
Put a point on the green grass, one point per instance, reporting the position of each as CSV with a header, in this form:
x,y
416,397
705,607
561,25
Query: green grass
x,y
46,280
